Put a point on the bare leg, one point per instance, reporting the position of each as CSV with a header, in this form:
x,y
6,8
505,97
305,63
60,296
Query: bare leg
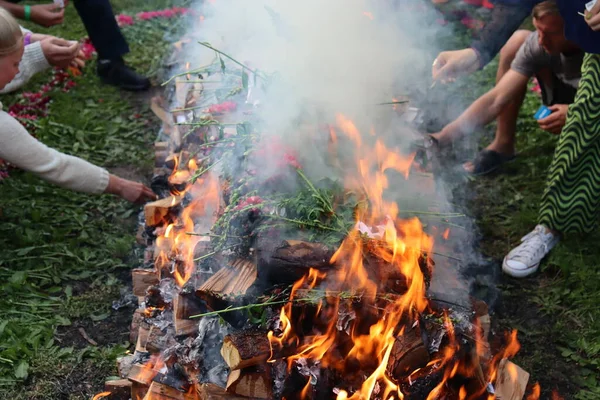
x,y
504,141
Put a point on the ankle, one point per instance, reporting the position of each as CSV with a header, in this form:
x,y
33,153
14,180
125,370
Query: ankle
x,y
502,148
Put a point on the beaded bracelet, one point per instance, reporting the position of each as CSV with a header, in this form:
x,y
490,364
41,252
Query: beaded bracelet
x,y
27,39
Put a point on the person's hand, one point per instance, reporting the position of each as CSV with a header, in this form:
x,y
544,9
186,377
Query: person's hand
x,y
450,64
38,37
60,52
131,191
136,192
79,60
47,15
593,17
555,121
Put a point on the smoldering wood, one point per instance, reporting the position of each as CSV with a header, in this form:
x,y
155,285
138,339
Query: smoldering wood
x,y
136,322
159,391
141,374
119,389
511,382
124,365
138,390
245,349
160,157
143,279
159,339
408,353
209,391
290,260
252,382
158,212
142,339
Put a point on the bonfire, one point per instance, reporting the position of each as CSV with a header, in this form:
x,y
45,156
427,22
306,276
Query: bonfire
x,y
264,280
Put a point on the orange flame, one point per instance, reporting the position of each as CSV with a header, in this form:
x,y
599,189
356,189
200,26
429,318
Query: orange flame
x,y
446,234
101,395
400,244
535,392
178,242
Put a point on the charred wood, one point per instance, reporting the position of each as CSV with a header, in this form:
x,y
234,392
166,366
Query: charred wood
x,y
290,260
119,389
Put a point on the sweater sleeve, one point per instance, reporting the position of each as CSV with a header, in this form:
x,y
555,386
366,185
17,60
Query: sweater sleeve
x,y
21,149
33,61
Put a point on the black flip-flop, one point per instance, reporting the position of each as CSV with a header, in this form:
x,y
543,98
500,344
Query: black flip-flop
x,y
488,161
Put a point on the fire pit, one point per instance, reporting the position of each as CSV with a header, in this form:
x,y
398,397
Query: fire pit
x,y
268,277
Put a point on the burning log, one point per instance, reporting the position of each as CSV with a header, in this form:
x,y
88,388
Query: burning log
x,y
159,391
408,353
511,383
290,260
157,212
245,349
119,389
210,391
252,382
138,390
142,280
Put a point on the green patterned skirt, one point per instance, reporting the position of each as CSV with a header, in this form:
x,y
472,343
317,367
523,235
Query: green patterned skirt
x,y
571,201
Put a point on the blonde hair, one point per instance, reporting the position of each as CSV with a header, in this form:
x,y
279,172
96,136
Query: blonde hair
x,y
545,8
11,37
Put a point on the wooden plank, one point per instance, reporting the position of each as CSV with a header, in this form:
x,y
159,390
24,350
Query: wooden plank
x,y
142,280
209,391
157,211
511,382
159,391
245,349
252,382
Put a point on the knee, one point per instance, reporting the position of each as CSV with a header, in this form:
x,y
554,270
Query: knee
x,y
510,49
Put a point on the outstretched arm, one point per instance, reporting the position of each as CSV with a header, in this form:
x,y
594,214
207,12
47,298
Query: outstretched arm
x,y
19,148
486,108
505,20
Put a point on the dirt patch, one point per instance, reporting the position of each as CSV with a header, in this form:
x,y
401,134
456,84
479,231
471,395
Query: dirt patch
x,y
112,330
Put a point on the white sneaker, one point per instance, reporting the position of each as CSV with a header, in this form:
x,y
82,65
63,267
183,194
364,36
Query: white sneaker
x,y
524,259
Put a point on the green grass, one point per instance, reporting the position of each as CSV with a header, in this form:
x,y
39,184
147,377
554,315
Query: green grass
x,y
66,255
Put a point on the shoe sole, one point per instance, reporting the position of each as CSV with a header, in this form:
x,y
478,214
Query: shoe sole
x,y
489,171
128,88
519,273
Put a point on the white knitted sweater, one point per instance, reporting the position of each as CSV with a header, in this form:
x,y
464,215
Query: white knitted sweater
x,y
21,149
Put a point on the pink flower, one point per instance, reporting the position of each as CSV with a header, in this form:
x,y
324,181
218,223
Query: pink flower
x,y
248,201
124,20
88,49
227,106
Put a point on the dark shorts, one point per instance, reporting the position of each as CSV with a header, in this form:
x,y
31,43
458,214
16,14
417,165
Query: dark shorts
x,y
556,92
